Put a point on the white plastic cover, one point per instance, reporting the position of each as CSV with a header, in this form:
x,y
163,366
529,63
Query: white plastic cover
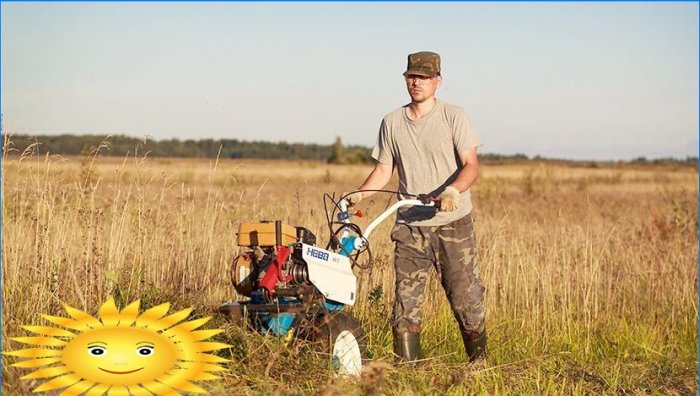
x,y
331,273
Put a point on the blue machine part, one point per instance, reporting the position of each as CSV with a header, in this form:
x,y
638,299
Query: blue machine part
x,y
333,306
256,297
277,323
347,245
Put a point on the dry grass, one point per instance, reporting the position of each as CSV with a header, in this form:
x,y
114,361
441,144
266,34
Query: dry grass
x,y
591,274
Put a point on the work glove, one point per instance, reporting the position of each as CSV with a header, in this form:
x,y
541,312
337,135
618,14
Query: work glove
x,y
354,198
449,199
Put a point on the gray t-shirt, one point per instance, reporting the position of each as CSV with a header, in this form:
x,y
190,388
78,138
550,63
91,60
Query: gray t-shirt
x,y
426,155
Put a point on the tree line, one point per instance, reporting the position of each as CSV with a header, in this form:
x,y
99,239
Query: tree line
x,y
337,153
121,145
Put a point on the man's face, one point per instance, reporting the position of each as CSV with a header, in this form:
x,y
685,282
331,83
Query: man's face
x,y
422,88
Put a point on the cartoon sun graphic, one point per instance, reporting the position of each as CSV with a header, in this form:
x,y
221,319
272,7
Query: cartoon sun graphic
x,y
122,352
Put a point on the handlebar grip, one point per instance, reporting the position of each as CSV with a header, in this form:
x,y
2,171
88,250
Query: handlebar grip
x,y
427,199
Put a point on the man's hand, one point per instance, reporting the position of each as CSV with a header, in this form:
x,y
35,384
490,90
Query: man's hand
x,y
354,198
449,199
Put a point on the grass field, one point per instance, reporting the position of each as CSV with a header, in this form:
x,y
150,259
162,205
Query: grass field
x,y
590,272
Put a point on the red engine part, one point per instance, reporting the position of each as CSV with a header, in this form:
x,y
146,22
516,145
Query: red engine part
x,y
274,271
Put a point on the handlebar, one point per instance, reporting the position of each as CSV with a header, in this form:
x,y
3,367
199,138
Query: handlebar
x,y
389,211
423,200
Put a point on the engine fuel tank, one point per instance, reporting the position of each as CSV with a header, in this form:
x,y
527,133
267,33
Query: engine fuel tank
x,y
263,234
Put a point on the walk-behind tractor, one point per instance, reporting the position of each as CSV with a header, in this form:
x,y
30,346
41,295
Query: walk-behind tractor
x,y
294,287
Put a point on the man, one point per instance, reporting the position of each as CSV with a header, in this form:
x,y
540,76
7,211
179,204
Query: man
x,y
433,147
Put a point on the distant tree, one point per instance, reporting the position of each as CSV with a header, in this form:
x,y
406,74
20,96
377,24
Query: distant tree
x,y
338,155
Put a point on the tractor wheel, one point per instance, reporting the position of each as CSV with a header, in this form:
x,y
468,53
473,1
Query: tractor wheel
x,y
341,335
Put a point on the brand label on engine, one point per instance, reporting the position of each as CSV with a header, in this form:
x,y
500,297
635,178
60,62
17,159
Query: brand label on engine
x,y
331,273
319,254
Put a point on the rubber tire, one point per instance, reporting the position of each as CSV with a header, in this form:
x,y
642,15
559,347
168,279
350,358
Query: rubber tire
x,y
340,335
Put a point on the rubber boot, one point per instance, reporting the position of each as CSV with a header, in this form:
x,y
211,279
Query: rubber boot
x,y
406,347
475,345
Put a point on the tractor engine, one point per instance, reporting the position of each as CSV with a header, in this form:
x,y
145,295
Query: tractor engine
x,y
274,264
285,276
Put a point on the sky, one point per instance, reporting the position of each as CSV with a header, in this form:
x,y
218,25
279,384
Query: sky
x,y
588,81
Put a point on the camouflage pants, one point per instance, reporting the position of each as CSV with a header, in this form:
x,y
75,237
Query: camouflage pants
x,y
451,249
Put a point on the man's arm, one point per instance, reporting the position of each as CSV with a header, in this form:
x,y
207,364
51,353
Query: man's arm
x,y
377,179
470,170
449,199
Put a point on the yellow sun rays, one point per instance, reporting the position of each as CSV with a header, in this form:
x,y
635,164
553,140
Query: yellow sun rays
x,y
192,359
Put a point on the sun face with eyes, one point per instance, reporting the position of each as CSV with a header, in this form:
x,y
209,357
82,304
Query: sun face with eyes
x,y
120,356
121,352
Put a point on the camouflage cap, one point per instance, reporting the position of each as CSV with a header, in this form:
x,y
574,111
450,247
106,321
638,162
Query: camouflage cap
x,y
423,64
